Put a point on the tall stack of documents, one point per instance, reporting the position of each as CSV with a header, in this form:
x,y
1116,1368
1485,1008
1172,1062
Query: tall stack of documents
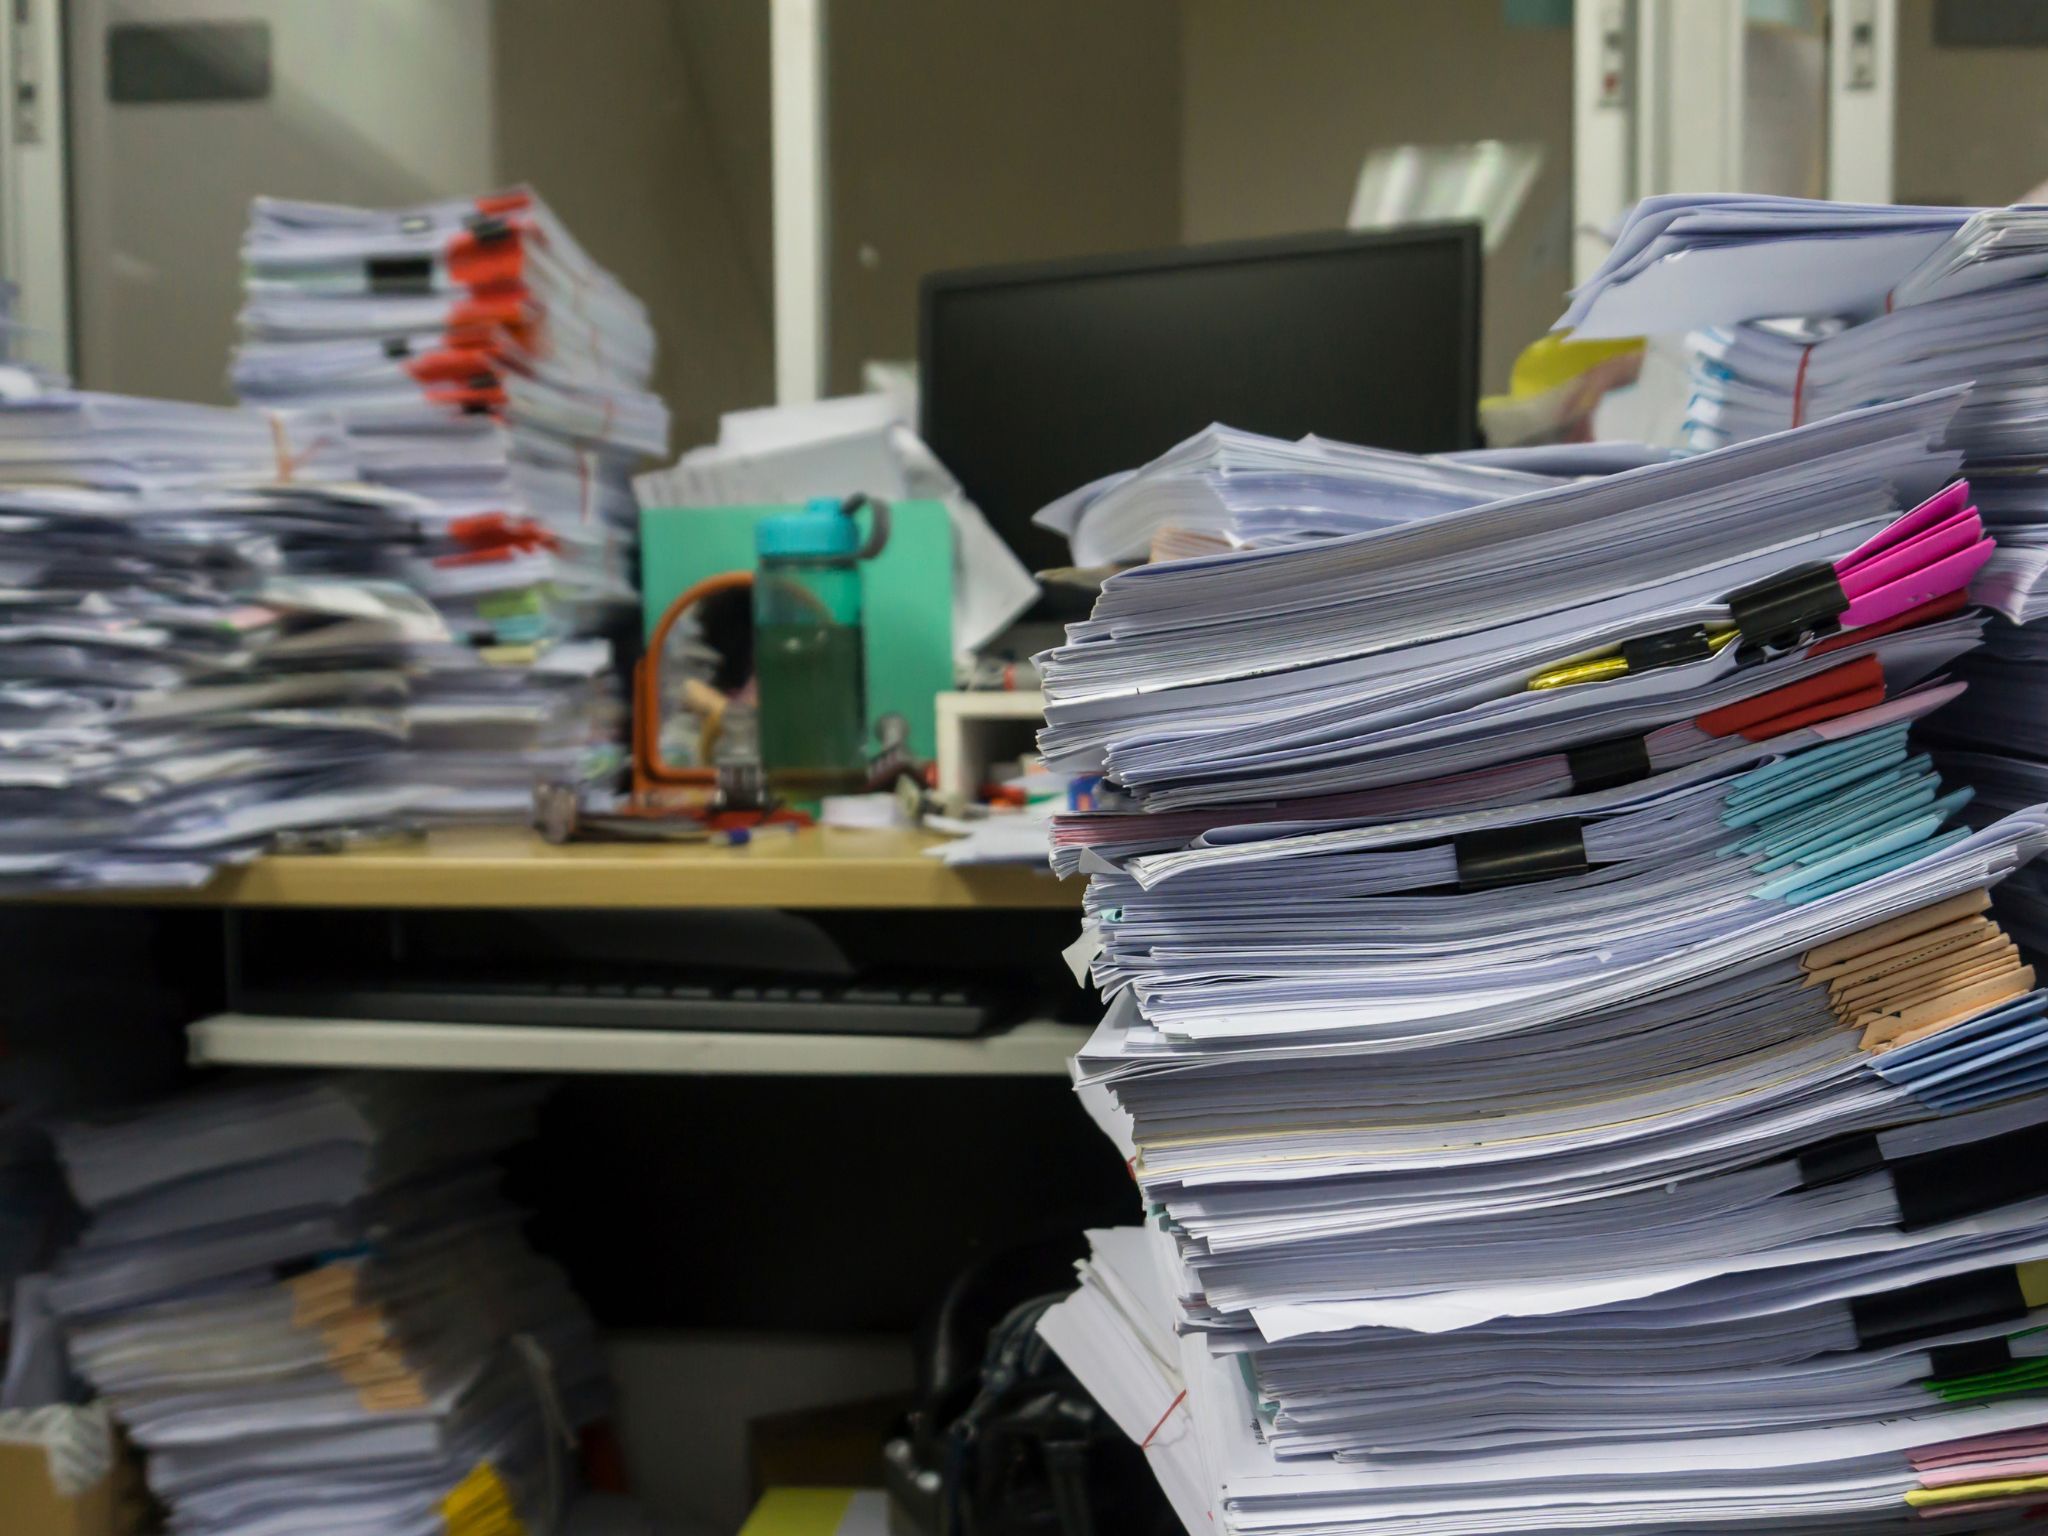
x,y
1809,309
1555,1019
308,1304
205,635
478,358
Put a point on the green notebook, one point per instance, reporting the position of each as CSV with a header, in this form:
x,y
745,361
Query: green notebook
x,y
906,594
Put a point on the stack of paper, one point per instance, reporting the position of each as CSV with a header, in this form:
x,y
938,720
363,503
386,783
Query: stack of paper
x,y
1873,305
1555,1013
201,646
307,1303
1691,259
478,359
1973,310
1241,488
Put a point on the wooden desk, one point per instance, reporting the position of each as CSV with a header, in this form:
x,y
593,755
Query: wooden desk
x,y
501,867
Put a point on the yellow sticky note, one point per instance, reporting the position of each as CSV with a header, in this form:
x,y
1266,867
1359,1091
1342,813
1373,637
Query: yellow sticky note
x,y
1968,1493
799,1512
479,1505
2033,1278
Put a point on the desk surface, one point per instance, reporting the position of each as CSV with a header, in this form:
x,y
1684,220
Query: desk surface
x,y
503,867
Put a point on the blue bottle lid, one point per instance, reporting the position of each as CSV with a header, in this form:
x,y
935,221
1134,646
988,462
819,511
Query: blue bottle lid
x,y
820,531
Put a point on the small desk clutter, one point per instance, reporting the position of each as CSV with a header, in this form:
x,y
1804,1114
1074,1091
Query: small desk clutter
x,y
1580,1054
941,588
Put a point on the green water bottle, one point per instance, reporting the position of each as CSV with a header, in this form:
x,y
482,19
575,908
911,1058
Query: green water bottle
x,y
808,662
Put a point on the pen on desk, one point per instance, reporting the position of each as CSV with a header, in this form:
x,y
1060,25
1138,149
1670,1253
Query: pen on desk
x,y
739,837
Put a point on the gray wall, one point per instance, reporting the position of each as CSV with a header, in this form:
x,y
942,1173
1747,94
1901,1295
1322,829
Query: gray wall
x,y
383,101
989,131
959,133
1972,123
1281,103
649,136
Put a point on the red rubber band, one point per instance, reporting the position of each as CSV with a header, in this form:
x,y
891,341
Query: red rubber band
x,y
1147,1441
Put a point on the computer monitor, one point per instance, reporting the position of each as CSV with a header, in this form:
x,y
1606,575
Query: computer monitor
x,y
1037,379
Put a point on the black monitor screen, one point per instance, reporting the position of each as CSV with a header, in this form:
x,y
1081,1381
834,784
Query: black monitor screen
x,y
1036,380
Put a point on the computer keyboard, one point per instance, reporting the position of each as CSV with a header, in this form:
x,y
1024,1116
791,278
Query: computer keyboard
x,y
907,1007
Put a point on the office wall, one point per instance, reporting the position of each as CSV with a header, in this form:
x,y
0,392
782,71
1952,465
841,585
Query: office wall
x,y
685,1399
1970,126
974,131
960,133
373,101
1279,105
648,134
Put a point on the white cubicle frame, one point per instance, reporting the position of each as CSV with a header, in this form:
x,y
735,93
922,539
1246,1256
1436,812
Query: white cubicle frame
x,y
1863,85
35,205
1658,105
801,196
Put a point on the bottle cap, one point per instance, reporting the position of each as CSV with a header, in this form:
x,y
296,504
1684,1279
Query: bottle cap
x,y
820,531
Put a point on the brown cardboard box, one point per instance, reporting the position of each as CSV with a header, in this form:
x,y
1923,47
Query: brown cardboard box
x,y
35,1508
31,1501
837,1446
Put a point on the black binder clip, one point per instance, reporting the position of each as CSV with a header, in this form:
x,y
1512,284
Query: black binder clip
x,y
1950,1183
401,274
1672,648
1844,1157
1537,850
1787,610
1932,1307
1604,764
1978,1357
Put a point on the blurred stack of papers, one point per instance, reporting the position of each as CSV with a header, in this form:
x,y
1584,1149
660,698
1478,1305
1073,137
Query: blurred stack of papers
x,y
480,360
307,1303
203,635
1566,1049
780,455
